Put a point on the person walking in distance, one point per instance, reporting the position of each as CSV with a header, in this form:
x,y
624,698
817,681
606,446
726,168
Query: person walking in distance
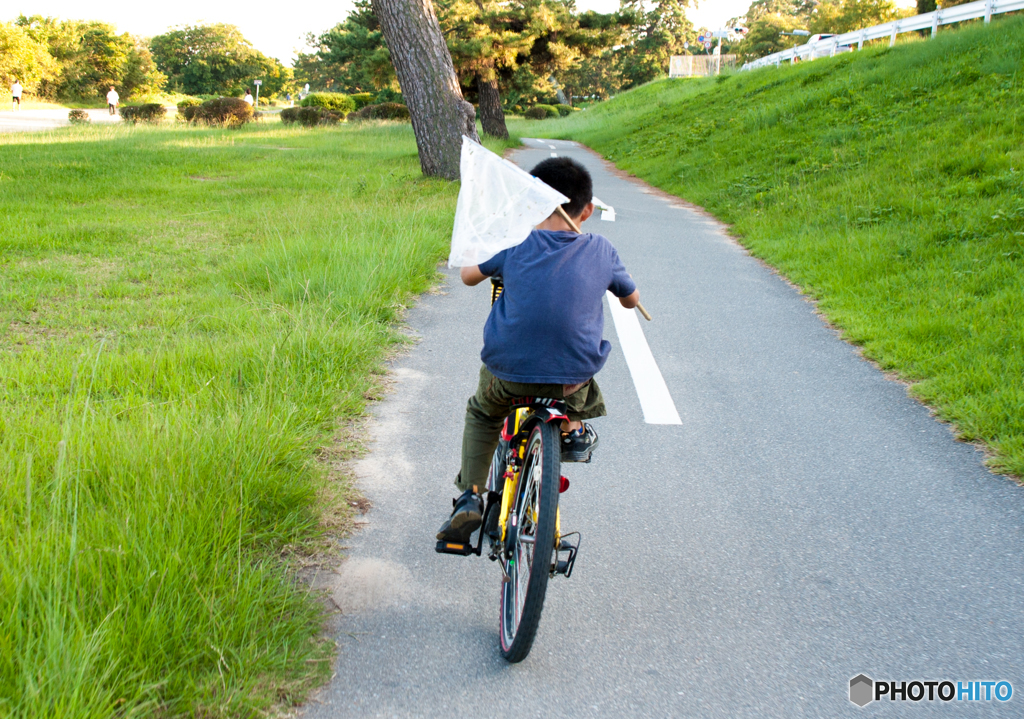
x,y
112,101
16,95
248,97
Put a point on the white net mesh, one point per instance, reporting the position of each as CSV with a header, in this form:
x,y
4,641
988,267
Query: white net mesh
x,y
499,204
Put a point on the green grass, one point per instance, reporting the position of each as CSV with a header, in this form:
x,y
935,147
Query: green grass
x,y
186,316
888,183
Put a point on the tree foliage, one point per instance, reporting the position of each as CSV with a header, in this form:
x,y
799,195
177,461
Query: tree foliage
x,y
839,16
89,57
765,37
351,57
215,59
655,34
23,58
531,48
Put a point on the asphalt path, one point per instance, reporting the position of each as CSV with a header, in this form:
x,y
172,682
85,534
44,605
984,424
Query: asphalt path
x,y
805,523
46,119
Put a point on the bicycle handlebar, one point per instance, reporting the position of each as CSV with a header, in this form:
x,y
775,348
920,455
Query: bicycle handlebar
x,y
497,286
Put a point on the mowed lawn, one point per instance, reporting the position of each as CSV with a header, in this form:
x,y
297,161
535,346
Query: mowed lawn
x,y
887,183
186,316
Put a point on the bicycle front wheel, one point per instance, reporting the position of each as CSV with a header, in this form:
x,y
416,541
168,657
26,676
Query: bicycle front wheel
x,y
531,539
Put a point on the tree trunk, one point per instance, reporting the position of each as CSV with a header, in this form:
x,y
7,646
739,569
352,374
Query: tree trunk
x,y
492,117
440,115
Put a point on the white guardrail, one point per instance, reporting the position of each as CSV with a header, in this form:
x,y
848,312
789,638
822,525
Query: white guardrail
x,y
932,20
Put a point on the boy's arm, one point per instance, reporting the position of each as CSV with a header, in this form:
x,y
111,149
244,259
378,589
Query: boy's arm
x,y
630,301
472,276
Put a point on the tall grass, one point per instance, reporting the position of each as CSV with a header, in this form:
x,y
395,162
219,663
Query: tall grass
x,y
889,183
185,314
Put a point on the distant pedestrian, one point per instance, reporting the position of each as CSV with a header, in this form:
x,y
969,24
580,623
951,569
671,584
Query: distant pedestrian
x,y
288,97
112,101
248,97
16,95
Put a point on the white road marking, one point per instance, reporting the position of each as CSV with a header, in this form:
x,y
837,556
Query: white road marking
x,y
554,154
655,400
552,147
607,211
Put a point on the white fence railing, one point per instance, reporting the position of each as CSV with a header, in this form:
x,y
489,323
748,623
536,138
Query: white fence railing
x,y
932,20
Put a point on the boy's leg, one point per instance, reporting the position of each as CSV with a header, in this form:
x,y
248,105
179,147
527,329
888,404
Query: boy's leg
x,y
485,414
484,417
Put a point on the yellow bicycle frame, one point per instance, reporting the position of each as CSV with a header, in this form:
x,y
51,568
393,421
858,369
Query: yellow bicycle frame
x,y
511,479
511,482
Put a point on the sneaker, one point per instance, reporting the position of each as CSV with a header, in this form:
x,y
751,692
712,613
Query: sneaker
x,y
465,519
578,444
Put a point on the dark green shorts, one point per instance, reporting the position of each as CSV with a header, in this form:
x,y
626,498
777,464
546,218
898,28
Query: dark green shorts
x,y
487,409
494,396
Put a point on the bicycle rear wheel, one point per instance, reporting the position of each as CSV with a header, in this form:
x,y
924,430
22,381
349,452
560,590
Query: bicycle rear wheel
x,y
531,539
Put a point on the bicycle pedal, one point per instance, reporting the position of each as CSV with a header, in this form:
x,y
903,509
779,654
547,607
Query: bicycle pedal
x,y
463,550
565,544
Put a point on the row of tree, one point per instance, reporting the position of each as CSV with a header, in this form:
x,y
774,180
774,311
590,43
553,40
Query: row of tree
x,y
506,53
74,58
81,60
510,48
521,51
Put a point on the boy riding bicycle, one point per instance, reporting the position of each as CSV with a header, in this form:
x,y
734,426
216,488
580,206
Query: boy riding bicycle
x,y
543,337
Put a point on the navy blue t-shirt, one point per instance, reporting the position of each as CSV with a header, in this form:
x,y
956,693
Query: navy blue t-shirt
x,y
547,326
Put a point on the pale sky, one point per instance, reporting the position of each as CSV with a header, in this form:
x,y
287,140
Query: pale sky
x,y
279,29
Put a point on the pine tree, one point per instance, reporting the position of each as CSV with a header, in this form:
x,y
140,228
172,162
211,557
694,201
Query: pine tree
x,y
440,115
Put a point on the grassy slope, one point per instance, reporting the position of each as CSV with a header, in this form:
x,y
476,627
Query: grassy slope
x,y
184,315
887,183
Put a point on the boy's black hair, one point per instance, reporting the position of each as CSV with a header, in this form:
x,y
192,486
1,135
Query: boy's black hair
x,y
568,177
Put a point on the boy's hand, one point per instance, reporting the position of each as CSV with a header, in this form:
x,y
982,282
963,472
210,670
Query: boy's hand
x,y
472,276
629,302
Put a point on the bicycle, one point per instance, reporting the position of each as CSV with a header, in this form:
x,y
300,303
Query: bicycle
x,y
521,518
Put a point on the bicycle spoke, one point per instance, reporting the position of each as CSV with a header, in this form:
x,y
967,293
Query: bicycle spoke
x,y
533,521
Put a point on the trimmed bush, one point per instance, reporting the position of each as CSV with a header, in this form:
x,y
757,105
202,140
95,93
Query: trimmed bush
x,y
564,110
537,113
290,115
315,116
189,102
551,110
383,111
151,112
227,111
78,117
336,102
362,99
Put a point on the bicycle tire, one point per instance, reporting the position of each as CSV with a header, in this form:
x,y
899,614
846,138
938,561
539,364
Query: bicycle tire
x,y
522,597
